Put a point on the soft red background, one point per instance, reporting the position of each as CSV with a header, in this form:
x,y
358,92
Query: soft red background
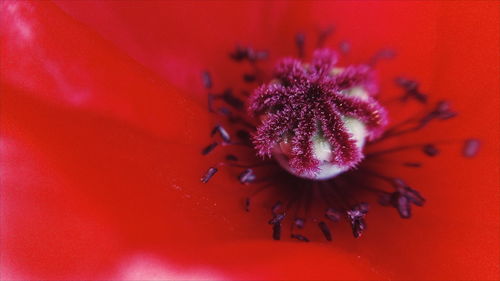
x,y
102,120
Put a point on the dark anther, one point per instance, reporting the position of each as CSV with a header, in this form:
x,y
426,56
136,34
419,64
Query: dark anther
x,y
222,132
209,174
413,195
239,54
402,204
382,54
411,88
277,218
413,164
471,147
326,231
209,148
254,55
300,40
206,79
357,218
259,55
300,237
247,204
332,215
385,54
246,176
403,189
231,99
324,35
398,183
430,150
277,231
442,111
402,199
249,77
214,130
406,84
248,53
224,111
231,157
276,207
344,47
299,223
358,226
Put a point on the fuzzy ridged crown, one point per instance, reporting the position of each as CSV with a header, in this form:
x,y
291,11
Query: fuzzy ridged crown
x,y
307,99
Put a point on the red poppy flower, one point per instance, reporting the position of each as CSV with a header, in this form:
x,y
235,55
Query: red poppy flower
x,y
103,118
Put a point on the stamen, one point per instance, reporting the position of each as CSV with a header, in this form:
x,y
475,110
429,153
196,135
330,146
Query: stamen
x,y
209,174
402,204
471,147
247,176
207,79
442,111
382,54
277,231
300,40
248,53
324,35
249,78
276,207
411,88
247,204
209,148
402,198
332,215
222,132
239,54
430,150
299,223
231,99
277,218
325,230
300,237
413,195
231,157
344,47
357,218
401,148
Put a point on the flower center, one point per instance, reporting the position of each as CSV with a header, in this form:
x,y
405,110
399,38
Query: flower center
x,y
316,117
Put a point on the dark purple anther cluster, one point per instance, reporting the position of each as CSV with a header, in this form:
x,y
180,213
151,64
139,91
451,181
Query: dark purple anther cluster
x,y
357,218
402,198
306,99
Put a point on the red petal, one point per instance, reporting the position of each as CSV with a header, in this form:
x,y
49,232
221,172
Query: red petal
x,y
94,167
179,39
